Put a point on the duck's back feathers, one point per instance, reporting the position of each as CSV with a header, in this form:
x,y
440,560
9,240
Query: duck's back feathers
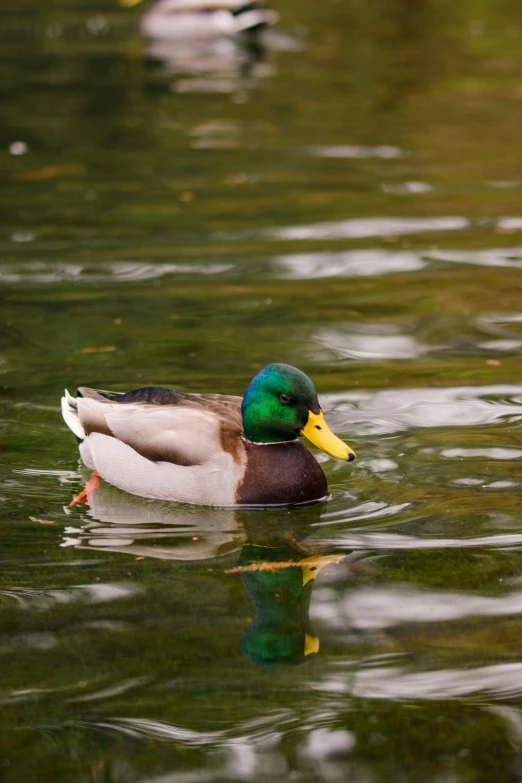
x,y
159,423
223,405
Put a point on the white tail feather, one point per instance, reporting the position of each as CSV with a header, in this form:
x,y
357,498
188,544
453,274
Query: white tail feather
x,y
254,18
70,415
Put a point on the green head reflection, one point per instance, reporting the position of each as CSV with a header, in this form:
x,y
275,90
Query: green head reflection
x,y
279,581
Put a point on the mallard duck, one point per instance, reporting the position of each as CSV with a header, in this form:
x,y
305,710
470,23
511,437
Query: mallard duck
x,y
209,449
177,19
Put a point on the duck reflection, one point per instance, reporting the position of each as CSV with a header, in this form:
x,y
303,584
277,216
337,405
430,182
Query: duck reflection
x,y
217,42
152,528
279,580
275,560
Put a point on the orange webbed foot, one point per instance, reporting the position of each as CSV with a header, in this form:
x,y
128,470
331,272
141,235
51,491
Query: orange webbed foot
x,y
91,486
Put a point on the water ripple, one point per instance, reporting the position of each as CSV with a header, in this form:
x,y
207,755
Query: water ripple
x,y
406,188
159,730
385,151
397,683
114,690
115,271
371,608
37,640
369,262
499,454
371,509
395,410
361,228
99,593
256,732
345,343
507,257
396,541
348,263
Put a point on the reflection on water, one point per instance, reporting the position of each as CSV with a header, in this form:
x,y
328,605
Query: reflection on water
x,y
26,598
350,151
42,273
277,569
510,257
145,528
361,228
365,342
225,65
394,682
219,49
305,266
348,263
407,187
394,410
375,608
392,541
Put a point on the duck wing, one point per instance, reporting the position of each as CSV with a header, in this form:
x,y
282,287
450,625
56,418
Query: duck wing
x,y
162,424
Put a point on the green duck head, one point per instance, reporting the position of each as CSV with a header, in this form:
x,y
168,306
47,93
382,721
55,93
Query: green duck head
x,y
280,404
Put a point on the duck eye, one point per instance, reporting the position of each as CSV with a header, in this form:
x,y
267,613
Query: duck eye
x,y
284,398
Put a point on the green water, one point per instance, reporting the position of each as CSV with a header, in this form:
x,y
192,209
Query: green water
x,y
348,201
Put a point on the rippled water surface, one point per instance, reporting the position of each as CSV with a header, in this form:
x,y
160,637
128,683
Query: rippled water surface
x,y
344,195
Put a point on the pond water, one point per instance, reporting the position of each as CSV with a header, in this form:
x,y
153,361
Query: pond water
x,y
344,196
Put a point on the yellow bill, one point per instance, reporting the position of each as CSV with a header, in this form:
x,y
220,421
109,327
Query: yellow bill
x,y
319,433
311,566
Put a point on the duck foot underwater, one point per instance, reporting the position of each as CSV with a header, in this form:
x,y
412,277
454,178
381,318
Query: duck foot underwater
x,y
91,486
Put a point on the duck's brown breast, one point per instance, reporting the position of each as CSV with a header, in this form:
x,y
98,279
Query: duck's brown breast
x,y
280,473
